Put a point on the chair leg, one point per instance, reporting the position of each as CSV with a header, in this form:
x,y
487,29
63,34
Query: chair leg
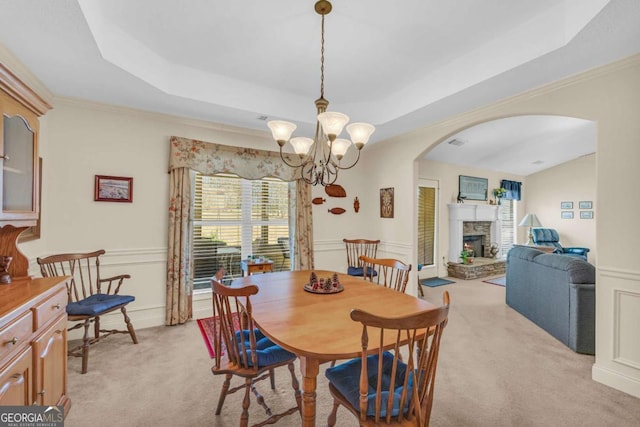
x,y
272,378
223,392
96,327
296,386
420,290
132,331
260,399
85,346
244,418
331,419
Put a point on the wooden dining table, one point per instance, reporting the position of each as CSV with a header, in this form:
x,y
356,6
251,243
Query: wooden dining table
x,y
318,327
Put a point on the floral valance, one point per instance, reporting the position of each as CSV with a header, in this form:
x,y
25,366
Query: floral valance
x,y
209,158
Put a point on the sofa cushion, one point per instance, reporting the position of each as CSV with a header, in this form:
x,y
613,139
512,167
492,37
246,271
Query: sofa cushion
x,y
579,271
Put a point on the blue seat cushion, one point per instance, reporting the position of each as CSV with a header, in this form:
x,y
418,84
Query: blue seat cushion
x,y
96,304
346,378
358,271
267,351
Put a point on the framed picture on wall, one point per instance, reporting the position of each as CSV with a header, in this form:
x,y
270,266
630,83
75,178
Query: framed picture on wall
x,y
566,205
586,214
113,189
386,202
585,205
566,214
472,188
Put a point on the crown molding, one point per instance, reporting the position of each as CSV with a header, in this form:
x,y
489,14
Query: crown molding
x,y
20,83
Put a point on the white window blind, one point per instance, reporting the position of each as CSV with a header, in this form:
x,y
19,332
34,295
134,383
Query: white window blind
x,y
234,218
508,231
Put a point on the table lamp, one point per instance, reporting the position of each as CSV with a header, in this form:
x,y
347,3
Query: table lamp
x,y
530,220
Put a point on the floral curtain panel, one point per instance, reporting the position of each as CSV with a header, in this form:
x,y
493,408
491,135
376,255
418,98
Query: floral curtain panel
x,y
189,155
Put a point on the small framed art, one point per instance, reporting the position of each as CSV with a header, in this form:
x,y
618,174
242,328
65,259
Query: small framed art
x,y
386,202
586,214
113,189
566,214
566,205
585,205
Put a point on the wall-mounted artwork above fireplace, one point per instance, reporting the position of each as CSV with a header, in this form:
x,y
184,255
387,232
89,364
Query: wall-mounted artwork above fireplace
x,y
472,188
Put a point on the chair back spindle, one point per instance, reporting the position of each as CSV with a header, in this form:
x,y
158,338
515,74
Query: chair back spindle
x,y
388,272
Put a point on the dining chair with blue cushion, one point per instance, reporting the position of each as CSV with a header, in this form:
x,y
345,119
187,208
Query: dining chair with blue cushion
x,y
90,296
394,383
241,349
550,237
355,249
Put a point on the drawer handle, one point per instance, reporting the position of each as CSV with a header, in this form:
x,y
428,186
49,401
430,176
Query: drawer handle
x,y
57,306
42,392
12,341
4,156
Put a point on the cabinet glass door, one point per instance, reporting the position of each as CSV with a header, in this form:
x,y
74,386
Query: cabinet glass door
x,y
17,165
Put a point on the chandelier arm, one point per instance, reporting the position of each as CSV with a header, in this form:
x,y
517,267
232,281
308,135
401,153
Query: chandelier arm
x,y
339,167
291,165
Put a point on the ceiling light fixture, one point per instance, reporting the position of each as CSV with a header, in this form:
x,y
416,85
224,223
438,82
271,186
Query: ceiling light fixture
x,y
320,157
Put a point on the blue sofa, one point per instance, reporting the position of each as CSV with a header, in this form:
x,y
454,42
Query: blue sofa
x,y
556,292
550,237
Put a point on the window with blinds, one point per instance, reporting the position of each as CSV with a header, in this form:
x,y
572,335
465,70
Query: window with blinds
x,y
234,218
508,231
426,225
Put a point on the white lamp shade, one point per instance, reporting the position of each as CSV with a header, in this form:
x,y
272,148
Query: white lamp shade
x,y
339,147
530,220
281,130
301,144
360,133
332,122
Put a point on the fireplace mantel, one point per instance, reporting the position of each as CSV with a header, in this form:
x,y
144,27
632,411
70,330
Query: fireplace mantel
x,y
459,213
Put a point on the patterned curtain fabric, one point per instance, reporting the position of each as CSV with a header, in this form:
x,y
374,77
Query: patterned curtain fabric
x,y
210,159
179,262
303,242
513,189
188,155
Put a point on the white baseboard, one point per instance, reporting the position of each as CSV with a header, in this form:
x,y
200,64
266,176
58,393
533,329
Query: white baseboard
x,y
616,380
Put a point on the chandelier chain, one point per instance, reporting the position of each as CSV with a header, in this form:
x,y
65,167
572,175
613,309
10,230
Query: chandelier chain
x,y
322,60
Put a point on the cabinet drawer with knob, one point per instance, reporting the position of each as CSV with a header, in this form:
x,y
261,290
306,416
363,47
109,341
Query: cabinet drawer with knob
x,y
49,309
15,334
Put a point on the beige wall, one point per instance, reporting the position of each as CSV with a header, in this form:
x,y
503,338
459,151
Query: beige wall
x,y
609,97
572,181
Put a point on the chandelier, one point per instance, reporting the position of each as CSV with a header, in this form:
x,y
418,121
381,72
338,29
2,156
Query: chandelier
x,y
320,157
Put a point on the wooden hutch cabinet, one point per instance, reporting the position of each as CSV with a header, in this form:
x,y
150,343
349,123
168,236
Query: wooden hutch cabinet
x,y
33,318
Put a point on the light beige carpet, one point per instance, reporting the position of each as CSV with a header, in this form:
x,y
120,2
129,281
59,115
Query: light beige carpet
x,y
496,369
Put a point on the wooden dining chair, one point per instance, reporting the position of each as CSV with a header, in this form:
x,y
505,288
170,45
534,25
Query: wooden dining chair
x,y
90,296
247,352
388,272
378,387
356,248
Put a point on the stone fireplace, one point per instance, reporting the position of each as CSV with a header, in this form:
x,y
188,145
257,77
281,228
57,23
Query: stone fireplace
x,y
480,221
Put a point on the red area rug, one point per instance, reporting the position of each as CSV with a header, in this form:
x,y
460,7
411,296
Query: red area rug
x,y
206,329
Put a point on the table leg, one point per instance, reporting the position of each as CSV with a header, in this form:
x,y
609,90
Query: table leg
x,y
310,368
